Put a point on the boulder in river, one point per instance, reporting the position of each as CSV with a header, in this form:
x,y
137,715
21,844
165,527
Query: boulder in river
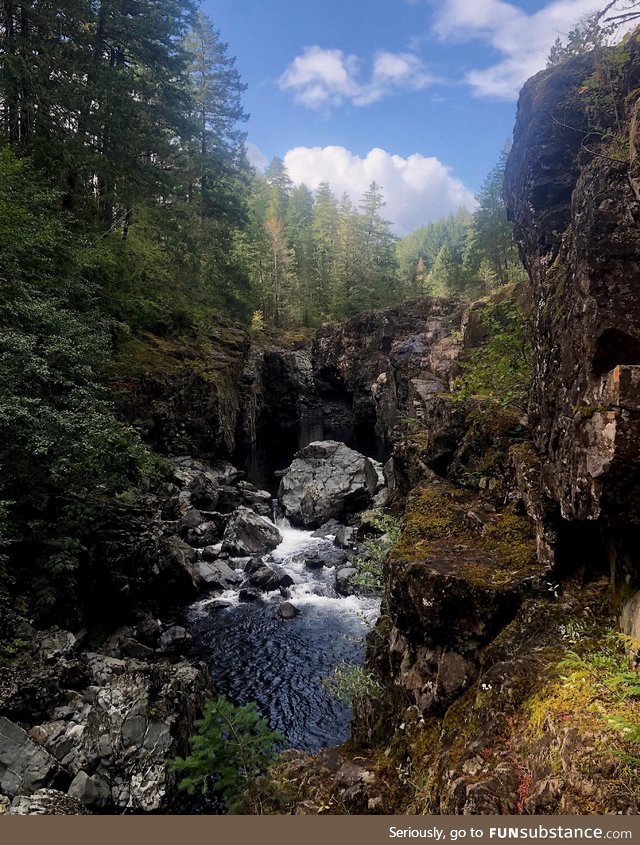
x,y
344,577
326,480
266,579
287,611
249,534
218,574
247,594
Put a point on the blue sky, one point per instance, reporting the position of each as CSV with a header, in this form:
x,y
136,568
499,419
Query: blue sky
x,y
418,94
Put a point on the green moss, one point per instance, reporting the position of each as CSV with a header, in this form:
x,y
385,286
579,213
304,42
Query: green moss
x,y
206,356
439,522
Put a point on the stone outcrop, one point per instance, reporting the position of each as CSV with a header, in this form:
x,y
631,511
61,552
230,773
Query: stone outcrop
x,y
377,367
326,480
183,397
576,207
106,745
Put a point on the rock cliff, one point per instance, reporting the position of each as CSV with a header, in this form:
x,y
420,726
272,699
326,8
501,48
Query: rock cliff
x,y
572,186
497,670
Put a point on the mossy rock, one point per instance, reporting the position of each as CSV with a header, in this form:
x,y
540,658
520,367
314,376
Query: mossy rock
x,y
445,525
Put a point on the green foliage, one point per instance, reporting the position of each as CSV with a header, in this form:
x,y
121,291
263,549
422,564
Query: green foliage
x,y
464,254
602,97
232,746
491,237
498,373
350,682
418,252
56,423
370,565
311,258
600,680
588,35
595,31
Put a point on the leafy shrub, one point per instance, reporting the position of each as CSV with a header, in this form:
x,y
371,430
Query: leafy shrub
x,y
369,565
498,373
350,681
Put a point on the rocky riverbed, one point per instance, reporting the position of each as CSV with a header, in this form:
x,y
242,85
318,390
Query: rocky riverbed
x,y
89,720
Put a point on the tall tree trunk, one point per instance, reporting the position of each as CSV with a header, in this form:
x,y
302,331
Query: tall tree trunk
x,y
25,104
10,86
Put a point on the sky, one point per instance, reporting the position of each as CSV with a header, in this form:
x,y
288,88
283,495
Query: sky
x,y
418,95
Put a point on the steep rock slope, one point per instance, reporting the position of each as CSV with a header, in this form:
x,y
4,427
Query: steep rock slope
x,y
573,188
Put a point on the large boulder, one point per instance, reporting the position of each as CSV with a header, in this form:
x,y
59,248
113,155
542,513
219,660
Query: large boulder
x,y
326,480
24,765
265,578
249,534
219,575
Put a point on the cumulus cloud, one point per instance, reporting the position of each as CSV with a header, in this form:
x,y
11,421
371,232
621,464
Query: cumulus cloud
x,y
522,39
322,78
417,189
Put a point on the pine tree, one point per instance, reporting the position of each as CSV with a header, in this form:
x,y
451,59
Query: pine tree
x,y
216,92
325,231
298,225
232,746
377,283
491,236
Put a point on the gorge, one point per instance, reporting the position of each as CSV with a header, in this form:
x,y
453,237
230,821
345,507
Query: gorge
x,y
501,436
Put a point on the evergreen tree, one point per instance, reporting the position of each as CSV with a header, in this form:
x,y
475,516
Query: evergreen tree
x,y
377,281
216,92
348,246
491,236
298,224
232,746
325,232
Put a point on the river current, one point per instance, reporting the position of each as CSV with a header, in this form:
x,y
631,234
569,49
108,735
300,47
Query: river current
x,y
280,665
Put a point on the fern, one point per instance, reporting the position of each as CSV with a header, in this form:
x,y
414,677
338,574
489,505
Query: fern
x,y
630,730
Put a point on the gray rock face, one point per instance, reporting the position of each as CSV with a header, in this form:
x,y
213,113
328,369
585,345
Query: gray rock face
x,y
113,741
24,765
46,802
344,577
326,480
174,638
219,575
249,534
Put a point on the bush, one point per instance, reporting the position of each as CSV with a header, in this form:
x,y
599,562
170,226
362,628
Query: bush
x,y
350,682
369,565
232,746
498,373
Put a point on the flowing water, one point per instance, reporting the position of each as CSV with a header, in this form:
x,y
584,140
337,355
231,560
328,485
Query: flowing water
x,y
253,656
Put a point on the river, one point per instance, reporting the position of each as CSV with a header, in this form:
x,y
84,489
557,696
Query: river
x,y
280,665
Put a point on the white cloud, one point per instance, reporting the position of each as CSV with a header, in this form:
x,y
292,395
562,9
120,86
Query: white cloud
x,y
417,189
322,78
522,39
256,157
